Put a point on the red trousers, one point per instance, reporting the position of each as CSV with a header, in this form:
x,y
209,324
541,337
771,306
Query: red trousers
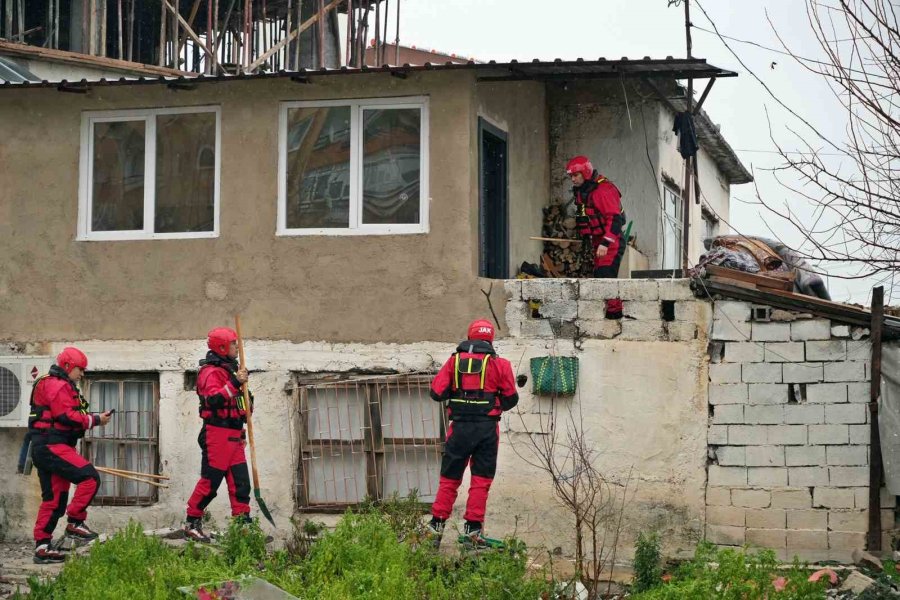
x,y
223,458
473,444
59,465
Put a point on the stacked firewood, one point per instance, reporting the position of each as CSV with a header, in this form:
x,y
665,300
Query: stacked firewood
x,y
569,259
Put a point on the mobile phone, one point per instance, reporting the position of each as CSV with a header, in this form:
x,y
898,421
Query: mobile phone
x,y
112,411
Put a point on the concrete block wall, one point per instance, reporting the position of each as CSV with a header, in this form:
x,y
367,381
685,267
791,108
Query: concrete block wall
x,y
788,434
654,310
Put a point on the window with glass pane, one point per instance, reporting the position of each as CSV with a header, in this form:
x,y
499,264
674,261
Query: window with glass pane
x,y
368,438
185,172
391,165
318,167
671,229
130,441
117,192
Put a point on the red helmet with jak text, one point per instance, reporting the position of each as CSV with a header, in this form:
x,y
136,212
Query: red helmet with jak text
x,y
70,358
481,329
219,339
580,164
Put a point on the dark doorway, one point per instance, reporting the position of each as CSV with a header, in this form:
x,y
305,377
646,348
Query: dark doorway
x,y
493,221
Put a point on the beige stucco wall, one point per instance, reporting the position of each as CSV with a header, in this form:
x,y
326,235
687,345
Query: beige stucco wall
x,y
520,110
296,288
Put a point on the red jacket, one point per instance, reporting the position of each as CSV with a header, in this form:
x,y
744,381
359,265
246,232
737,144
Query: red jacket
x,y
600,213
58,409
221,401
469,399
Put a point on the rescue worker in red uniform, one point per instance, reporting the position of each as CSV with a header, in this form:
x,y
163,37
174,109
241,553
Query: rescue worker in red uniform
x,y
222,436
59,417
478,386
600,217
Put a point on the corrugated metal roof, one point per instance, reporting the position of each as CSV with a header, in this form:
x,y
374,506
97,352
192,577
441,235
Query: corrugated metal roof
x,y
669,68
13,72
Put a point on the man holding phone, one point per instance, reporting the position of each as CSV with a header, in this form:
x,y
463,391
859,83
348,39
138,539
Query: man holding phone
x,y
58,419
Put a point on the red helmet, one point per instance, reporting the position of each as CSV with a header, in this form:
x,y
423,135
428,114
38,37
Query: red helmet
x,y
481,330
580,164
70,358
219,339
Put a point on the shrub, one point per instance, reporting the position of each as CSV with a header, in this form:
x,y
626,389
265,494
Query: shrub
x,y
647,563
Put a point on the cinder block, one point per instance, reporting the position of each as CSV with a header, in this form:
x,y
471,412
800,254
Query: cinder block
x,y
826,393
638,289
860,498
536,328
675,289
549,289
768,393
751,498
829,497
848,456
725,535
728,413
746,435
728,393
764,456
807,476
732,516
642,330
559,309
745,352
717,435
860,434
726,330
591,310
771,332
853,520
840,331
739,312
731,456
604,329
804,414
517,311
811,329
829,434
799,498
767,538
846,540
848,476
763,414
767,476
848,370
852,414
858,393
807,519
727,476
807,540
598,289
787,435
859,350
693,312
765,518
642,310
791,352
826,350
718,496
725,373
761,373
805,456
802,372
513,289
680,331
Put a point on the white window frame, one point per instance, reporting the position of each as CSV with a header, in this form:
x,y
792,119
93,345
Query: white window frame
x,y
86,174
668,228
356,227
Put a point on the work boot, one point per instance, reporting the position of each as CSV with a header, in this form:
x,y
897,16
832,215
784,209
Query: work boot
x,y
193,530
434,531
44,554
242,519
79,531
474,536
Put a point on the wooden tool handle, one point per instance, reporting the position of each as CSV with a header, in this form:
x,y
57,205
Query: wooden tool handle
x,y
245,391
131,477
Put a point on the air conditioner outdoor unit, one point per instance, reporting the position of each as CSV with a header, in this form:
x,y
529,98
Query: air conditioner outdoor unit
x,y
17,377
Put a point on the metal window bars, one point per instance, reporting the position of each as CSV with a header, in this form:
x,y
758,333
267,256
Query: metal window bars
x,y
367,439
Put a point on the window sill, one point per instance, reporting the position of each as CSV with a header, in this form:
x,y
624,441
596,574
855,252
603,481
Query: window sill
x,y
125,236
371,230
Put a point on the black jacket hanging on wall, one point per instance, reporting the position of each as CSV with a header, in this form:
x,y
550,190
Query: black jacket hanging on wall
x,y
687,136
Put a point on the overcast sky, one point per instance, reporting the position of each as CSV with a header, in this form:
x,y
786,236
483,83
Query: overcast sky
x,y
526,29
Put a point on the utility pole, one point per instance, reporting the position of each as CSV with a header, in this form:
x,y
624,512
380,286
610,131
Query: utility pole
x,y
686,191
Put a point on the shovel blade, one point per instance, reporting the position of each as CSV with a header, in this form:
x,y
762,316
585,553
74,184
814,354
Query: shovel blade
x,y
263,508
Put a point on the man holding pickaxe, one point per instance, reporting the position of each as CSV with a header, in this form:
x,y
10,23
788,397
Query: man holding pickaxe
x,y
224,411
